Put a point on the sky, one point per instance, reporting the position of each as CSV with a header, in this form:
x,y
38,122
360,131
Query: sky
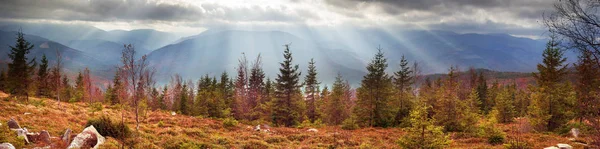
x,y
516,17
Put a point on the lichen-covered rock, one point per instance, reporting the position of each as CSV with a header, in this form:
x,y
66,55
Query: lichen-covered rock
x,y
564,146
42,137
12,124
66,137
6,146
88,138
22,132
312,130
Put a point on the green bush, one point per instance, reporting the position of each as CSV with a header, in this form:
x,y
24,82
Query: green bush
x,y
38,103
256,144
307,124
514,144
229,123
496,138
6,135
161,124
95,107
349,124
106,127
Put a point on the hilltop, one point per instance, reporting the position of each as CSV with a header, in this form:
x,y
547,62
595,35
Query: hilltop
x,y
160,129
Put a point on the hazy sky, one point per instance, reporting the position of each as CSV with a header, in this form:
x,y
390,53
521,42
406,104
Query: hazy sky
x,y
516,17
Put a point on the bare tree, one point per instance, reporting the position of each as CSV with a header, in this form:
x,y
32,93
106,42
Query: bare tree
x,y
57,78
133,71
577,21
87,81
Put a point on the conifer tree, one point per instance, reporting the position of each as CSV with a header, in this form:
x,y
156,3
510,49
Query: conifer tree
x,y
450,111
402,82
588,86
287,105
162,98
504,107
482,93
79,88
241,89
42,77
183,100
336,109
422,132
19,69
255,88
3,80
552,100
311,91
374,104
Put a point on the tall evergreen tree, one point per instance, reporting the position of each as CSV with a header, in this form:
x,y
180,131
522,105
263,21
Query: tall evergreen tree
x,y
402,82
241,89
256,85
42,77
422,132
311,91
3,80
587,86
336,106
374,104
552,99
287,105
504,107
19,70
482,93
79,88
183,100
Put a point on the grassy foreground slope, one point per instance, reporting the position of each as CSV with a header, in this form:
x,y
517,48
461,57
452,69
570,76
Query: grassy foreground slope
x,y
160,129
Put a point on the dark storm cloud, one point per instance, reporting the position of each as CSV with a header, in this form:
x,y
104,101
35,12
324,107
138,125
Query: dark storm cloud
x,y
97,10
520,8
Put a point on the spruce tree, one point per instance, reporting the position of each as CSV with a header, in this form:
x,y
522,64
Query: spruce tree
x,y
79,88
310,90
587,86
482,93
504,107
19,70
287,106
3,80
42,77
183,100
402,82
422,132
552,100
374,104
336,109
256,86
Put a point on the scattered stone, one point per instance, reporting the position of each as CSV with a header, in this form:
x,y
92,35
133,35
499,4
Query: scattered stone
x,y
42,137
22,133
173,113
313,130
551,147
564,146
45,147
66,137
575,132
257,128
12,124
26,113
6,146
88,138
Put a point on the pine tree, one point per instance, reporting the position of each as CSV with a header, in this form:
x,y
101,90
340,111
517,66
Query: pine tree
x,y
42,77
287,105
241,90
422,132
482,93
113,96
79,88
374,104
183,100
255,88
162,98
450,111
310,89
552,100
504,107
336,109
402,82
587,86
67,89
19,70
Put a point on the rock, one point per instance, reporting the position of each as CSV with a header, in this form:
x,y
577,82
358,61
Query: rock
x,y
564,146
257,128
42,137
551,147
22,133
26,113
6,146
312,130
66,137
173,113
88,138
574,132
12,124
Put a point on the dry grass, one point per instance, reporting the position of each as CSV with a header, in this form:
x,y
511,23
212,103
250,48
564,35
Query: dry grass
x,y
162,130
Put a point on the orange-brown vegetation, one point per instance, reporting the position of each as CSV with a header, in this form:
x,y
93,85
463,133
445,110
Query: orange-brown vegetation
x,y
160,129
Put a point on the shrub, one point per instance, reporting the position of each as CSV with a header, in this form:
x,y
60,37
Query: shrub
x,y
38,103
161,124
106,127
95,107
495,139
365,146
349,124
255,144
307,124
276,139
229,123
6,135
514,144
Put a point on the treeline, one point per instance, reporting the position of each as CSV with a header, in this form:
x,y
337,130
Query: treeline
x,y
470,104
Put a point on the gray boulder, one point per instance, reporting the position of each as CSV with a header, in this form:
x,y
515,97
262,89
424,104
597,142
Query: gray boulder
x,y
6,146
564,146
574,132
12,124
22,132
88,138
66,137
42,137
